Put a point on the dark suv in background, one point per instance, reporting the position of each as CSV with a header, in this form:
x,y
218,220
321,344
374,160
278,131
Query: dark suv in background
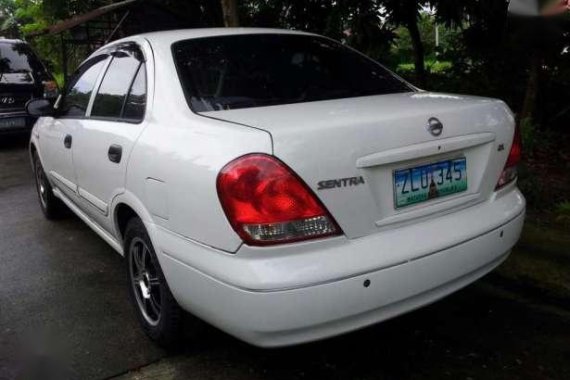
x,y
23,76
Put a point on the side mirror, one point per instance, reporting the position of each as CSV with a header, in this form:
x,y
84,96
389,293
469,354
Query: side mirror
x,y
40,107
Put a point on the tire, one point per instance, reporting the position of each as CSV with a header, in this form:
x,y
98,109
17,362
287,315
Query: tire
x,y
158,312
52,207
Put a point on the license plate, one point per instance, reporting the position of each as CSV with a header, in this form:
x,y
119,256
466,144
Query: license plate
x,y
13,122
422,183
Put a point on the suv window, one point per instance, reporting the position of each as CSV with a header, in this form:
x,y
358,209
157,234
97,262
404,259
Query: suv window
x,y
115,86
242,71
76,100
136,101
17,57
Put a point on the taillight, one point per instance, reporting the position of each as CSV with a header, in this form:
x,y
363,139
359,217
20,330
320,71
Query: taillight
x,y
509,173
266,203
51,90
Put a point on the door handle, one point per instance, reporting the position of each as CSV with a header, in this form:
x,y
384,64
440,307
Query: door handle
x,y
115,153
67,141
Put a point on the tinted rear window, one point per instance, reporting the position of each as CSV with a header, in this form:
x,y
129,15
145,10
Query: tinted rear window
x,y
18,58
230,72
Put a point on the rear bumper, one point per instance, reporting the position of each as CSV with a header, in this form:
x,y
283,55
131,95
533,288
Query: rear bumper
x,y
275,306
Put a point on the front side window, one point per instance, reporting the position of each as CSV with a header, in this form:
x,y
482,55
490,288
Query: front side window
x,y
76,99
242,71
115,86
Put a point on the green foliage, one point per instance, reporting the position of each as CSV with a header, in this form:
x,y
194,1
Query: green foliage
x,y
356,22
8,23
480,50
433,67
439,67
405,68
528,134
532,187
563,212
58,76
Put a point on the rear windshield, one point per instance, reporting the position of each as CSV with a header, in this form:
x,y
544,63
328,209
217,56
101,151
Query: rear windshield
x,y
242,71
18,58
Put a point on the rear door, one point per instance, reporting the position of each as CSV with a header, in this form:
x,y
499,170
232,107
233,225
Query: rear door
x,y
115,120
58,135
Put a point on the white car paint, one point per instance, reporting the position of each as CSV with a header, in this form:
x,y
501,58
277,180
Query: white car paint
x,y
298,292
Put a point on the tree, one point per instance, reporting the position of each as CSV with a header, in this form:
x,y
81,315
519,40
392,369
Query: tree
x,y
230,12
8,21
406,13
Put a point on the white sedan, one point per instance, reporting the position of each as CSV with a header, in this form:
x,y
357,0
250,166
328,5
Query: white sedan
x,y
276,184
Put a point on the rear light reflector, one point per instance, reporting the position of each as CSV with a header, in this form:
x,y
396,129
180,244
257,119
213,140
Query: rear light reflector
x,y
267,203
510,171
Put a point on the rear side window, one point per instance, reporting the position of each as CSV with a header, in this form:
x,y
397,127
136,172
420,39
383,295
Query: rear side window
x,y
76,100
135,104
115,86
242,71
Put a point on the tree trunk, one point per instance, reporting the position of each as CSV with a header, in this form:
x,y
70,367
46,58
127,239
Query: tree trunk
x,y
529,103
419,59
230,12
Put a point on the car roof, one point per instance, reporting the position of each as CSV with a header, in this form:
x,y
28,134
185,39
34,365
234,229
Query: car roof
x,y
11,41
167,38
171,36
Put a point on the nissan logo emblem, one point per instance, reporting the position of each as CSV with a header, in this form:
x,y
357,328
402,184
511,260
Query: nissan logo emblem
x,y
435,127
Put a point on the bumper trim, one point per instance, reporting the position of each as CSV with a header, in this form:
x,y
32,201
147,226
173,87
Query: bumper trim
x,y
287,317
369,318
272,290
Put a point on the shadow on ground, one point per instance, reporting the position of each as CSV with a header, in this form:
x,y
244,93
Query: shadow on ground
x,y
476,333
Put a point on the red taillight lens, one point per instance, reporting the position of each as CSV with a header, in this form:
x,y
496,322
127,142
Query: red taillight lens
x,y
509,173
266,203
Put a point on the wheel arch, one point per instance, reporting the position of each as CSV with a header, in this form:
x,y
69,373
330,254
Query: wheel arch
x,y
33,148
122,214
126,206
31,151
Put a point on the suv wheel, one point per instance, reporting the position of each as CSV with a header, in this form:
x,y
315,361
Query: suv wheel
x,y
157,310
51,206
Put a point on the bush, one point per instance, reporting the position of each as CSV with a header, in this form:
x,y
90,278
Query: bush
x,y
531,187
432,67
59,79
439,67
528,134
563,212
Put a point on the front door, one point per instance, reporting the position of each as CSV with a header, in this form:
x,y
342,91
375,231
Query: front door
x,y
58,135
56,144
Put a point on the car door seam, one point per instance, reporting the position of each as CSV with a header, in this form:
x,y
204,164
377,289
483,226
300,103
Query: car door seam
x,y
243,125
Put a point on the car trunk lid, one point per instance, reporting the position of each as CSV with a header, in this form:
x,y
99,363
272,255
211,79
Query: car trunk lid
x,y
347,150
